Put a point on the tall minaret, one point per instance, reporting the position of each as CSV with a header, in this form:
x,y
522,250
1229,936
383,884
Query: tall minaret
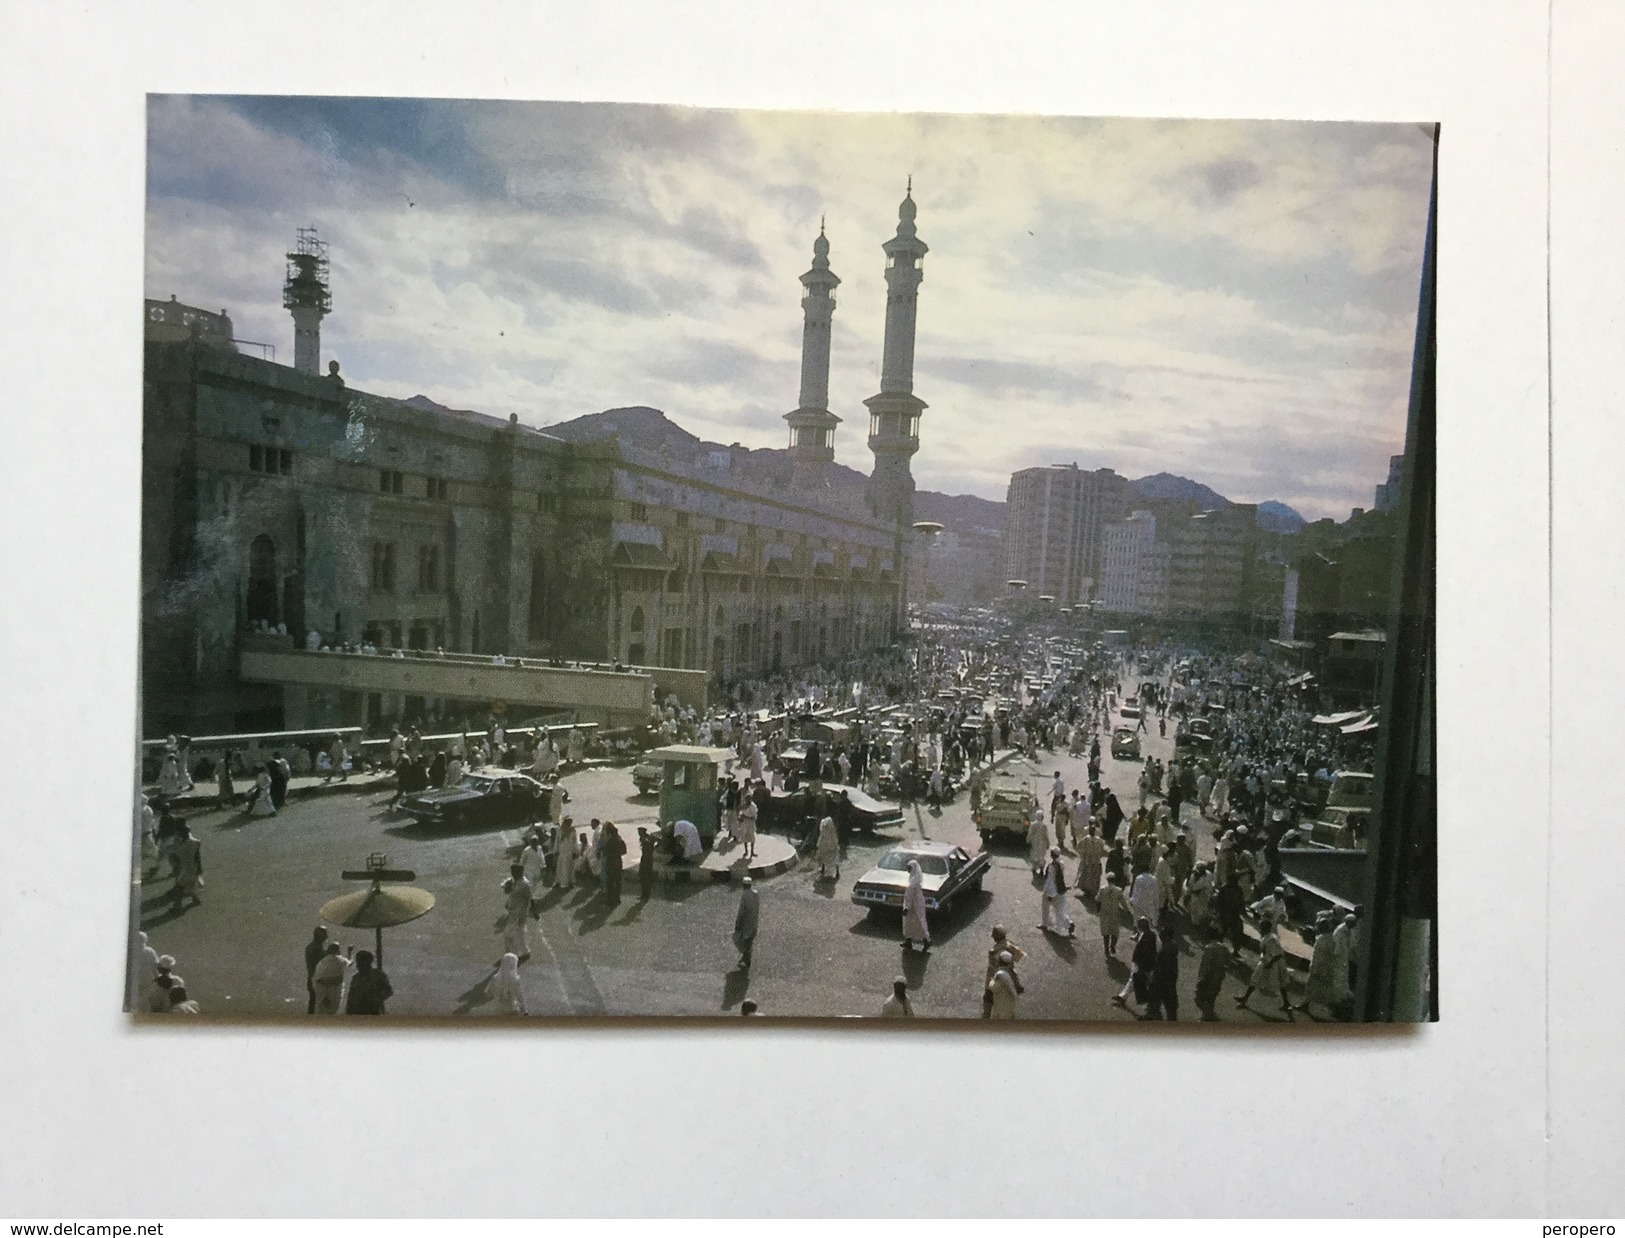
x,y
812,425
894,414
305,293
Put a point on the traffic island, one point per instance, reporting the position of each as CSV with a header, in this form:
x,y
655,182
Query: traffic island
x,y
774,855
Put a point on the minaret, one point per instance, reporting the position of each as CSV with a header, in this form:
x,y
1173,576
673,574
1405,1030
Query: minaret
x,y
812,425
894,414
305,293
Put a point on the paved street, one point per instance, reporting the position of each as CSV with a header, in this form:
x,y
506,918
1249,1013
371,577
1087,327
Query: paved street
x,y
817,953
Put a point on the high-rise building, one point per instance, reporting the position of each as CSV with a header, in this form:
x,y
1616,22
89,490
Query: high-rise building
x,y
1134,567
1210,564
1055,519
1387,496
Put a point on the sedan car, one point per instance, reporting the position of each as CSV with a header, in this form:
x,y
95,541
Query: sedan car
x,y
489,796
1125,744
647,776
851,808
947,872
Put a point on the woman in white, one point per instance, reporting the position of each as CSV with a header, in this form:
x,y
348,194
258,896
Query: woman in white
x,y
149,838
1037,843
564,868
915,928
1145,897
747,827
829,848
1328,981
535,865
506,989
172,780
263,806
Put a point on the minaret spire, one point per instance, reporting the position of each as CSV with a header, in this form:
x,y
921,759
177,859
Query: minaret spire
x,y
894,413
812,425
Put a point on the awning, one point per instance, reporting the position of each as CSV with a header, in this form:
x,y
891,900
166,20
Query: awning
x,y
717,561
1337,719
640,555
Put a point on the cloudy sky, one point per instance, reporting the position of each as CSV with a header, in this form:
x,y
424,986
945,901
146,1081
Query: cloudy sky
x,y
1231,301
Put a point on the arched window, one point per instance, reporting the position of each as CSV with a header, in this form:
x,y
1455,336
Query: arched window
x,y
721,618
262,581
635,624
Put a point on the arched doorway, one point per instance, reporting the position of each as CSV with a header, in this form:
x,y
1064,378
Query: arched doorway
x,y
261,602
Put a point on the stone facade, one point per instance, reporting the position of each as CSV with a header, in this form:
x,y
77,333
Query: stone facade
x,y
276,496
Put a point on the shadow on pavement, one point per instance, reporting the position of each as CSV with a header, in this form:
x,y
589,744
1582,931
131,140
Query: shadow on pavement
x,y
172,911
419,829
945,926
914,965
1064,947
734,987
478,995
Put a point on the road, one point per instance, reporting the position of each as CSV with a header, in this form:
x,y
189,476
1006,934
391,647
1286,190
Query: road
x,y
817,954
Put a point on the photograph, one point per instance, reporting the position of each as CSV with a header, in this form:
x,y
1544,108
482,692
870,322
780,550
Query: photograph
x,y
629,561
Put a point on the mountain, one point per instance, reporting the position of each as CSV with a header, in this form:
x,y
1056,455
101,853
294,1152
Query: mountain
x,y
1277,517
1169,486
959,513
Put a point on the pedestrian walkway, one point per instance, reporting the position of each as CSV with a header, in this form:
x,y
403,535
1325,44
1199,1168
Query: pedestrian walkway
x,y
204,794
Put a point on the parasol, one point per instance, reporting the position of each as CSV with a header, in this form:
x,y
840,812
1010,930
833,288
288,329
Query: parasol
x,y
378,908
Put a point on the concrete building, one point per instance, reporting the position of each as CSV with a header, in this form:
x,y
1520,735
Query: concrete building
x,y
276,496
1387,494
1056,518
1134,567
1210,565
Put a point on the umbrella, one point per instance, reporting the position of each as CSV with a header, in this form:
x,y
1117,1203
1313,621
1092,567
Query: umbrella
x,y
378,908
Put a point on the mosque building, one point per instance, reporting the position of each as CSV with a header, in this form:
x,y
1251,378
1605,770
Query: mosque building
x,y
282,505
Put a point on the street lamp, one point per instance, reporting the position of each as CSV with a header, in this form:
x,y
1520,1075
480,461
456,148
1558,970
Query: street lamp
x,y
928,529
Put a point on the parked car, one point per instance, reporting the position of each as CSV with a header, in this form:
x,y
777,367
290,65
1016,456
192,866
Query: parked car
x,y
851,808
487,796
947,873
1350,789
1125,744
1007,807
646,775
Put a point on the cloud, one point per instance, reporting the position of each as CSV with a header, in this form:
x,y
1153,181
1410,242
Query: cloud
x,y
1233,301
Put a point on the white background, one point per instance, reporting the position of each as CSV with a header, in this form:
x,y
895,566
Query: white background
x,y
1512,1105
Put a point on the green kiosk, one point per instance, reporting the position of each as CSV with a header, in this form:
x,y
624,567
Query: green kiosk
x,y
690,777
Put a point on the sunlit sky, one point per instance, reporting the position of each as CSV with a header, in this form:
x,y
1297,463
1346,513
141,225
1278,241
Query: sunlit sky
x,y
1230,301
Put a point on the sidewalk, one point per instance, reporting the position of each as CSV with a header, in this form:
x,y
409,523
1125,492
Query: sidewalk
x,y
302,786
